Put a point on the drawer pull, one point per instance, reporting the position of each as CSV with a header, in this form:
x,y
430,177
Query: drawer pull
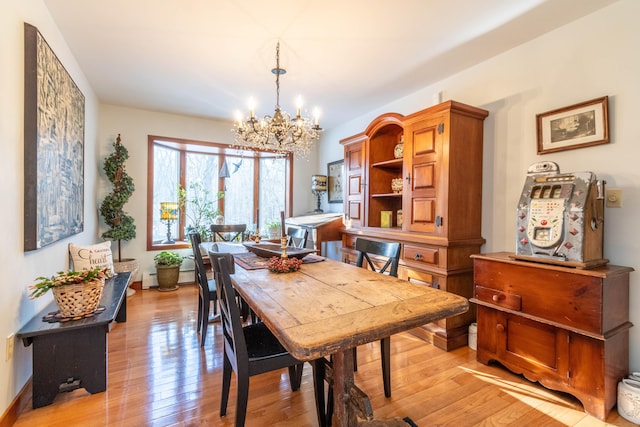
x,y
500,327
497,297
417,257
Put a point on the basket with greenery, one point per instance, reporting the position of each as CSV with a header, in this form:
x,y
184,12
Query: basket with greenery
x,y
77,293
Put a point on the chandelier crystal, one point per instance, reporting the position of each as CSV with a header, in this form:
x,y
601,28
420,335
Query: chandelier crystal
x,y
279,133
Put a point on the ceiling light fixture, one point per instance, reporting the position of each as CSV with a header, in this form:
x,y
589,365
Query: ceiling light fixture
x,y
279,133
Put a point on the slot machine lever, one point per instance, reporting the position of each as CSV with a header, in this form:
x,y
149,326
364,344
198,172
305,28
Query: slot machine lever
x,y
598,205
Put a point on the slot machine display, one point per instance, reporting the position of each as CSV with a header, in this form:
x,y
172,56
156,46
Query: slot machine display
x,y
560,217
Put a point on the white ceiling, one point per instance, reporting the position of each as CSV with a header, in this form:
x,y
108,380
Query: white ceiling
x,y
207,57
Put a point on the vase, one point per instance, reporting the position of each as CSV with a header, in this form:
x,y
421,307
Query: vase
x,y
396,185
398,151
78,299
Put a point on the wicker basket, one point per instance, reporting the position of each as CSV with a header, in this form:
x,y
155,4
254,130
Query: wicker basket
x,y
79,299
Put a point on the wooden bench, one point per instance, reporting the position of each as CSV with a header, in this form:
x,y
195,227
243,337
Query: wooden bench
x,y
73,354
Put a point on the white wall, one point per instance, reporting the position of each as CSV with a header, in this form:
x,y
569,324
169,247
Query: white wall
x,y
590,58
18,269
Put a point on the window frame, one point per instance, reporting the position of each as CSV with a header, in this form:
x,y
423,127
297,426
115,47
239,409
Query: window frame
x,y
183,146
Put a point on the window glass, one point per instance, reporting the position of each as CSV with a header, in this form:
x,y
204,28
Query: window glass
x,y
188,172
166,175
272,189
238,197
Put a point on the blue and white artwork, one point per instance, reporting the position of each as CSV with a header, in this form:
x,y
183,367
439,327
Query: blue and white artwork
x,y
54,147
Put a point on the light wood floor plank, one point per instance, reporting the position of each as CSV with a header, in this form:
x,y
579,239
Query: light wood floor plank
x,y
160,376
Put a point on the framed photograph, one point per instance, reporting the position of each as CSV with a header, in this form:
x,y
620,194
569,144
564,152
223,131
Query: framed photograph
x,y
53,146
335,173
576,126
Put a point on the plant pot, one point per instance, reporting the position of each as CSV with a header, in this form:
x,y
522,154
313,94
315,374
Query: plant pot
x,y
127,265
167,277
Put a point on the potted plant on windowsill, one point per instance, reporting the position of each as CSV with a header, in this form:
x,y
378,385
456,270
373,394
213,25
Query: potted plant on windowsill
x,y
200,208
273,229
168,270
121,225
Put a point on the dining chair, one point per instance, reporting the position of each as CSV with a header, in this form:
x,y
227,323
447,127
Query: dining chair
x,y
390,252
227,232
248,350
297,237
206,289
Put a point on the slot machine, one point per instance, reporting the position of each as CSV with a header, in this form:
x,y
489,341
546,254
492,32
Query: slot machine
x,y
560,217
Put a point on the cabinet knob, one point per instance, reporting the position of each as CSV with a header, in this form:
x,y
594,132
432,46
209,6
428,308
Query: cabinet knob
x,y
417,257
497,297
500,327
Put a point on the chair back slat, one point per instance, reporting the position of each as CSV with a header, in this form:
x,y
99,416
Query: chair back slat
x,y
390,250
201,272
297,237
227,232
235,343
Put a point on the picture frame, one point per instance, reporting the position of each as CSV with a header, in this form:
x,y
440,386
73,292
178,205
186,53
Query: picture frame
x,y
54,126
335,184
581,125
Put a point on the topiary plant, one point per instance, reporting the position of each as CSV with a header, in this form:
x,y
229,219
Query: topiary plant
x,y
121,224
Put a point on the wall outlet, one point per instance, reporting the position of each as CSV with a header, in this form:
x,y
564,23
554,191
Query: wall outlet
x,y
613,198
9,346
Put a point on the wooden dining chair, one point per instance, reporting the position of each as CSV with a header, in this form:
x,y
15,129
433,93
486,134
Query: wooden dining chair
x,y
227,232
387,254
297,237
249,350
206,289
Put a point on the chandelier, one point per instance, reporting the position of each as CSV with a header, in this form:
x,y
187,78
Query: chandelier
x,y
279,133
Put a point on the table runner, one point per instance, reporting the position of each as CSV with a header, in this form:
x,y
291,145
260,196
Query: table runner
x,y
250,261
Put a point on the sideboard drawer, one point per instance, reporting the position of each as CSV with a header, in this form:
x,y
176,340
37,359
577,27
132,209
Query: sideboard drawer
x,y
420,254
502,299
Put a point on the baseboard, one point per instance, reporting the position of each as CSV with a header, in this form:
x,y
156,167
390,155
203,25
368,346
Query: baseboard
x,y
149,279
16,407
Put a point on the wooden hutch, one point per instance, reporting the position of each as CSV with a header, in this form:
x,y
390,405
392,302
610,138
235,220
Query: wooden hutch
x,y
440,200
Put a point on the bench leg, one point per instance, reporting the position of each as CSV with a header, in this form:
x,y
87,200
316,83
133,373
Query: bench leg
x,y
73,359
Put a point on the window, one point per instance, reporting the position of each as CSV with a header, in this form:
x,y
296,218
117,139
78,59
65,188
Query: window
x,y
257,180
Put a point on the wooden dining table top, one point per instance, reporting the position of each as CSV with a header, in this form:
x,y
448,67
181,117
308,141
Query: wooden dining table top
x,y
328,307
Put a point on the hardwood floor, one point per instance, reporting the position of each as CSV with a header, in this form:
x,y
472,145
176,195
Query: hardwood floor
x,y
160,376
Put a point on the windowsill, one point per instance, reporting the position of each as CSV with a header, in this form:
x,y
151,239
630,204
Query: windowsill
x,y
157,246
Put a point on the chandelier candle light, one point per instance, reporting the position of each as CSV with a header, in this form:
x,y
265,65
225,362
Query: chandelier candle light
x,y
279,133
318,188
168,213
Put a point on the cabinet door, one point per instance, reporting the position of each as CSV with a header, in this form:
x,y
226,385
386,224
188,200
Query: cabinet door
x,y
422,172
539,348
354,157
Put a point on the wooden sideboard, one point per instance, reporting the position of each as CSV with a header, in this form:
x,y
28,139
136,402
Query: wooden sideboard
x,y
564,327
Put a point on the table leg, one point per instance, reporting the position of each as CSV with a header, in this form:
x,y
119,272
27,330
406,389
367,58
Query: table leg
x,y
344,414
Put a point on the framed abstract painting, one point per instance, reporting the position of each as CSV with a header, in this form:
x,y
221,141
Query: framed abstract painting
x,y
53,146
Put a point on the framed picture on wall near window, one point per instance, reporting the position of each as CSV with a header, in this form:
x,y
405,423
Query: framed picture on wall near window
x,y
335,172
576,126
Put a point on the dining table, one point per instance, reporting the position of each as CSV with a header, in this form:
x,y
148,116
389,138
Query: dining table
x,y
327,308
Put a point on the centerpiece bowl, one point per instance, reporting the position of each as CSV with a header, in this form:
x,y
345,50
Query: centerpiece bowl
x,y
268,250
